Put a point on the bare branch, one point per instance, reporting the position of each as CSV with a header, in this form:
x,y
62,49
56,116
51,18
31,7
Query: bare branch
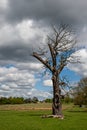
x,y
53,55
36,55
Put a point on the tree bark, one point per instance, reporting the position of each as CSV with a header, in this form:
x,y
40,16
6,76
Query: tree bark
x,y
56,106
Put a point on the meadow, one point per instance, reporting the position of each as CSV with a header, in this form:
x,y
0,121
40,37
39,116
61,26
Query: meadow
x,y
29,117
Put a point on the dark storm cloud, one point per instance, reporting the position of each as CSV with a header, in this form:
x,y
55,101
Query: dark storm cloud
x,y
22,24
16,52
51,11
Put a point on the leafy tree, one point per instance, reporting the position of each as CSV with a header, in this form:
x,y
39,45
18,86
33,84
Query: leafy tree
x,y
68,99
61,46
28,100
12,100
48,100
35,100
81,92
4,100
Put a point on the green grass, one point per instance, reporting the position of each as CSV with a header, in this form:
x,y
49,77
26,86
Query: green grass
x,y
75,119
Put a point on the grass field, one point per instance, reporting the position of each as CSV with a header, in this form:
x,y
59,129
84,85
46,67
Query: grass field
x,y
29,118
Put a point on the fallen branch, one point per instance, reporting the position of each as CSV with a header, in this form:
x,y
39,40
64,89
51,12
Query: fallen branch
x,y
53,116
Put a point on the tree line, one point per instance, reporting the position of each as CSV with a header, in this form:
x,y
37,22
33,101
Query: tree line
x,y
17,100
21,100
78,96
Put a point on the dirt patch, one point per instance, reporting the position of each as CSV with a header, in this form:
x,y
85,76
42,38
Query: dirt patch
x,y
24,107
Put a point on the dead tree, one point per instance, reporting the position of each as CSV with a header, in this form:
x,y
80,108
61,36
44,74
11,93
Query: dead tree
x,y
61,47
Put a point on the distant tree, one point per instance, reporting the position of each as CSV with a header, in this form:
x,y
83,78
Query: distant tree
x,y
81,92
28,100
67,99
12,100
61,46
48,100
16,100
35,100
4,100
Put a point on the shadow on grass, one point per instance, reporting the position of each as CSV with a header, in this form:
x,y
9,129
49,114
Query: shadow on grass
x,y
37,115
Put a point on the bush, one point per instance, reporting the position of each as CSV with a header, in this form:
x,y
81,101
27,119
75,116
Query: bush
x,y
12,100
35,100
48,100
28,100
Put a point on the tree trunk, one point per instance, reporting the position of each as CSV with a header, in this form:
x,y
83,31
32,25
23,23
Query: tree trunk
x,y
56,106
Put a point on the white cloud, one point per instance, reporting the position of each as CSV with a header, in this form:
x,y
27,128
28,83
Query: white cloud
x,y
3,4
4,87
80,68
30,66
16,82
47,82
4,70
38,93
13,79
25,31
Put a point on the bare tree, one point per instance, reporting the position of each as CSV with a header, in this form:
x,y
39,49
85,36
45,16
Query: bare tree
x,y
61,47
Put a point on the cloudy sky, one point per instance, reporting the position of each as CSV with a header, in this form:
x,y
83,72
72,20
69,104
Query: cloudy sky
x,y
24,25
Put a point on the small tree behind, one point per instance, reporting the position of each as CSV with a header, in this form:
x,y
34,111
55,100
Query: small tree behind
x,y
35,100
61,46
80,93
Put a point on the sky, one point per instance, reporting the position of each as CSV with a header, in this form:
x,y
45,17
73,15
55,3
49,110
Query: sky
x,y
24,26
